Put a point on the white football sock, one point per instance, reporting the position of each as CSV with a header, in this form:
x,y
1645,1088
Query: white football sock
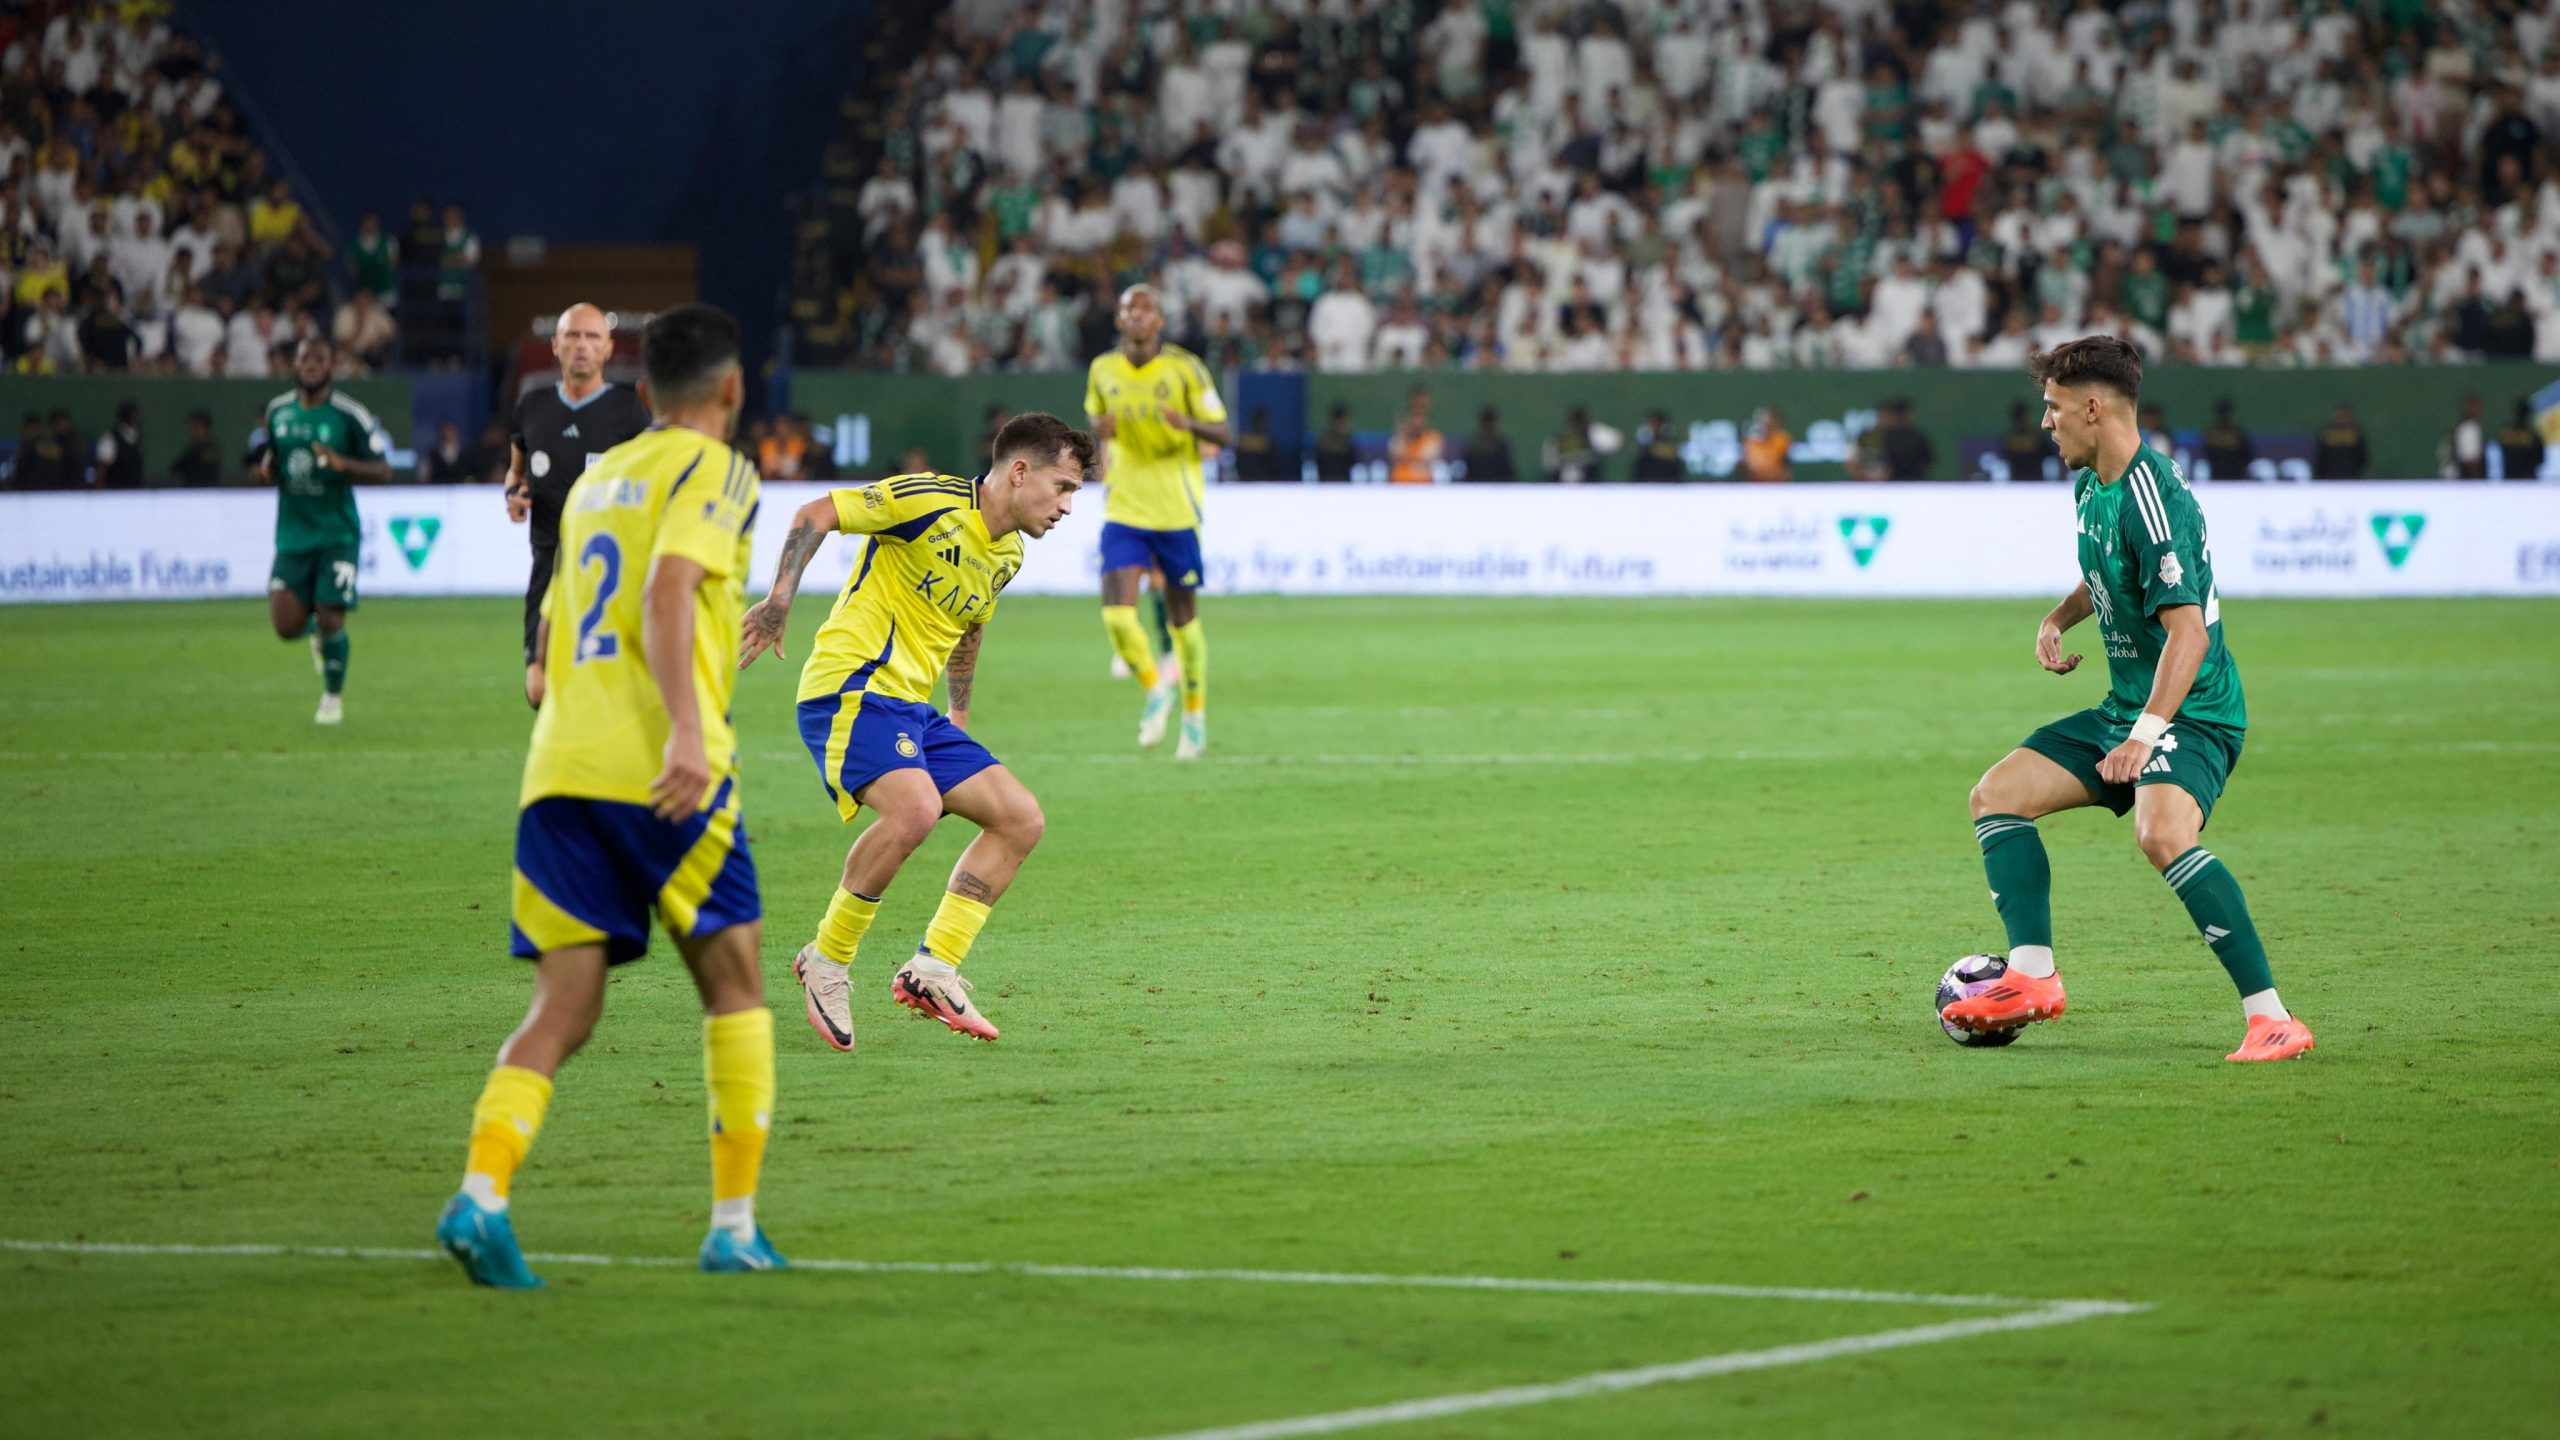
x,y
2264,1004
2036,961
738,1217
483,1191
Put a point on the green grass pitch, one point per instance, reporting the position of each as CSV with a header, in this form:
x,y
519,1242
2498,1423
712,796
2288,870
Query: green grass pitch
x,y
1582,941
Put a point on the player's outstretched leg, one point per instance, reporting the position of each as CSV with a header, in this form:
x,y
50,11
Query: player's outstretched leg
x,y
2006,803
737,1070
2167,822
1009,824
906,807
476,1227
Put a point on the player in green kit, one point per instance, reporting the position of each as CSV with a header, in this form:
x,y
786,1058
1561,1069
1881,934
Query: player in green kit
x,y
2163,742
319,443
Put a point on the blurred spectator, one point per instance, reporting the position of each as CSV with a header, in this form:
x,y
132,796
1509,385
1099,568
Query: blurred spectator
x,y
457,257
274,216
1574,453
2339,451
107,339
376,257
200,463
1893,448
49,342
2024,445
365,333
196,332
2464,455
251,340
1414,450
48,454
1658,450
1334,454
119,451
2518,455
2228,449
447,461
1765,447
1257,450
784,452
1488,451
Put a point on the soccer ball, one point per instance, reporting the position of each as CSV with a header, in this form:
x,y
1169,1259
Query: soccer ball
x,y
1965,979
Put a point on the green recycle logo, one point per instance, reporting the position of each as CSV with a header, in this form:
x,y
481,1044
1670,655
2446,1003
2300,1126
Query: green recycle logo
x,y
1864,535
2398,535
416,536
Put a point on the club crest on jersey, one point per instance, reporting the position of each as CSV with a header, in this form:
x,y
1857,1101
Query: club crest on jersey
x,y
2171,572
907,745
872,499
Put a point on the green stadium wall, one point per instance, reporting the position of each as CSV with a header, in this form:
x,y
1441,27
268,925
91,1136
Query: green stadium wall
x,y
238,407
2406,412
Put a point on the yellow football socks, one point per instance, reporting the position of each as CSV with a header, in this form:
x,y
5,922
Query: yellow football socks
x,y
1191,642
1129,642
849,918
737,1065
955,927
503,1125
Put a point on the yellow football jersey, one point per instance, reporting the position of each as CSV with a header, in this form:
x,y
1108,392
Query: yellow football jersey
x,y
927,575
602,733
1153,470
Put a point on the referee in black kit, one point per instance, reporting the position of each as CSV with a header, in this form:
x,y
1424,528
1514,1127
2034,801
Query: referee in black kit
x,y
557,434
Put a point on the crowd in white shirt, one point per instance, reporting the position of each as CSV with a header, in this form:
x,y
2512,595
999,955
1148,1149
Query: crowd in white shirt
x,y
1716,184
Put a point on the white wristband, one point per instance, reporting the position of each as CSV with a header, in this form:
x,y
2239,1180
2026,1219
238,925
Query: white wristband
x,y
2148,728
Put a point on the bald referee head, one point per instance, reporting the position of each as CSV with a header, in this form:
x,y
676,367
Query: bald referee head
x,y
582,341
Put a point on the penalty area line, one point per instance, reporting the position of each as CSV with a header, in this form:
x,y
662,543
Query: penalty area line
x,y
1611,1382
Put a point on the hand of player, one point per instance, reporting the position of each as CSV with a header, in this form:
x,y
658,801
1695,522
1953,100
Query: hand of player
x,y
761,629
2124,762
2049,651
677,792
324,457
1174,420
519,503
264,472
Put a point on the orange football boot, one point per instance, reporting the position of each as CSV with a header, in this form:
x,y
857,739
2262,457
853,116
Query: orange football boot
x,y
2272,1039
2017,1000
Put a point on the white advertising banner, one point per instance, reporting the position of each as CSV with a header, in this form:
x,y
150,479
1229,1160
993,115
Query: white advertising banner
x,y
2376,539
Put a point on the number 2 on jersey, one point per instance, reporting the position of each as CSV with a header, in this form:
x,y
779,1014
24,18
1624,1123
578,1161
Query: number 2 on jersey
x,y
595,643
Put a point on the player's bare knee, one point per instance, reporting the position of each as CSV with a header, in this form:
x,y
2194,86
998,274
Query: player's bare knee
x,y
2163,841
331,621
1985,799
908,822
1025,825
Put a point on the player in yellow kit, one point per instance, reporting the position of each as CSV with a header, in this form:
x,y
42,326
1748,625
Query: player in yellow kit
x,y
941,550
1153,405
630,796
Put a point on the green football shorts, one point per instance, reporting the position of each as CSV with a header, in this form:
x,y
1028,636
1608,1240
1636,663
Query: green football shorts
x,y
325,576
2194,755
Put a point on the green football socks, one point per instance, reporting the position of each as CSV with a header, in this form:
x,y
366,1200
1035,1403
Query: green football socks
x,y
333,662
2021,878
2214,902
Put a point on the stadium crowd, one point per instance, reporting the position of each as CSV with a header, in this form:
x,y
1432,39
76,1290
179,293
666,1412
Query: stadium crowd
x,y
1555,185
143,229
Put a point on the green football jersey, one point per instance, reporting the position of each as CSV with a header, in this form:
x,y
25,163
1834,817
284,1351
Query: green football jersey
x,y
316,506
2142,548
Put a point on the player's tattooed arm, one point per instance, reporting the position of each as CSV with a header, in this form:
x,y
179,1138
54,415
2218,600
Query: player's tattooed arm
x,y
765,622
962,672
970,887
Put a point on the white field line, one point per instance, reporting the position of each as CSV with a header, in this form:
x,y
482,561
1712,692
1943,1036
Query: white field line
x,y
1611,1382
1606,1382
1103,1272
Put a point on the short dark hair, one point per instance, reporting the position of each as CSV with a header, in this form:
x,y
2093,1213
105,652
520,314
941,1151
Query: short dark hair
x,y
2090,360
686,348
128,409
1042,436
